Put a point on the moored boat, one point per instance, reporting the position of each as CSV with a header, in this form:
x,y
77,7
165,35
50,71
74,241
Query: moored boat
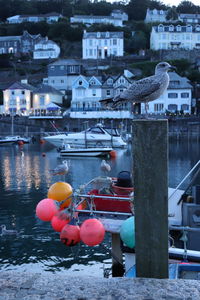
x,y
67,150
96,136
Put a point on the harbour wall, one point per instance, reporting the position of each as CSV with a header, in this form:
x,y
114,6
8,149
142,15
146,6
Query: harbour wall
x,y
178,127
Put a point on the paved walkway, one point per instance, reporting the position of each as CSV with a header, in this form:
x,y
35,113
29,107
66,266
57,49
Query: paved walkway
x,y
48,286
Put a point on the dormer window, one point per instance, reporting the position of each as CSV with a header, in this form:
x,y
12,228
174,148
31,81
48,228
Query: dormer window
x,y
178,28
171,28
92,82
197,27
80,82
107,34
189,28
161,12
160,28
110,81
98,34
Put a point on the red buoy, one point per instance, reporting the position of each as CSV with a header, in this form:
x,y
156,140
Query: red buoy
x,y
113,154
20,143
58,223
70,235
46,209
92,232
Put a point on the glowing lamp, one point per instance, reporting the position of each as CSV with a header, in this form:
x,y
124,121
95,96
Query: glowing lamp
x,y
61,191
127,232
46,209
92,232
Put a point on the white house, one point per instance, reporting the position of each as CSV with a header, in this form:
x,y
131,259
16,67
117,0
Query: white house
x,y
17,98
155,15
46,49
49,18
46,101
116,18
87,91
100,45
177,98
189,18
90,20
168,37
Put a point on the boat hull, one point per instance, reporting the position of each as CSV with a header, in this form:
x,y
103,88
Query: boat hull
x,y
86,152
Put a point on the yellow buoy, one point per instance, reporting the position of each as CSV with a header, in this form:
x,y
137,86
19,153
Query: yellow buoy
x,y
61,191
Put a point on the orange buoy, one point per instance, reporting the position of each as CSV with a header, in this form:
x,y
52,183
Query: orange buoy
x,y
92,232
20,143
42,141
70,234
57,222
61,191
113,154
46,209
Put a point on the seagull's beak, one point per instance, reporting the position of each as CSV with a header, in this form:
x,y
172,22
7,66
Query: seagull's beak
x,y
172,68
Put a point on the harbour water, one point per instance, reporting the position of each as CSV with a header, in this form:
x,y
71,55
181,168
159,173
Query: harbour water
x,y
24,180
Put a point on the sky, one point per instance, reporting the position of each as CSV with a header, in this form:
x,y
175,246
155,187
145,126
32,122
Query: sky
x,y
177,2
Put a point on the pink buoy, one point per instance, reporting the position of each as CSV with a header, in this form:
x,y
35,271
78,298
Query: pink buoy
x,y
70,234
92,232
46,209
58,222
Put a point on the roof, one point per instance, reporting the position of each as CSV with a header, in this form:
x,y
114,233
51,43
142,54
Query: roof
x,y
190,16
178,82
177,28
20,86
104,35
44,88
95,17
65,62
10,38
52,14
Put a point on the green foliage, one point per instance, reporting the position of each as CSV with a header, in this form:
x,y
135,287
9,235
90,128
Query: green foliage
x,y
188,7
137,42
194,76
147,67
4,61
183,66
172,14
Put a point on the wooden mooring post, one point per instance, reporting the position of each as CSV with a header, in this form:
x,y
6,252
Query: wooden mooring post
x,y
150,173
117,256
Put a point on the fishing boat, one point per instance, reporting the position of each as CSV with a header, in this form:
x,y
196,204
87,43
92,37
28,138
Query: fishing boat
x,y
96,136
67,150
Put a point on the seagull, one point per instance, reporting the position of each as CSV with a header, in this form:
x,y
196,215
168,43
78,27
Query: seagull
x,y
5,231
61,169
143,90
105,167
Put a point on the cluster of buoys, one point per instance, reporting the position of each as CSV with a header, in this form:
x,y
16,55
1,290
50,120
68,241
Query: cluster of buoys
x,y
56,209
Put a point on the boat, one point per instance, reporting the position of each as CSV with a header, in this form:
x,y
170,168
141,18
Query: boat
x,y
95,136
72,151
8,140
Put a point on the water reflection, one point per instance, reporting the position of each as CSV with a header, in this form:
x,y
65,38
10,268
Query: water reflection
x,y
24,181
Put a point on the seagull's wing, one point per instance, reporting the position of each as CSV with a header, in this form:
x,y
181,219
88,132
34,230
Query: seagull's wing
x,y
141,89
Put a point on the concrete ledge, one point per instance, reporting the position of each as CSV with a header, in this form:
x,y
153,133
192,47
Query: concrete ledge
x,y
49,286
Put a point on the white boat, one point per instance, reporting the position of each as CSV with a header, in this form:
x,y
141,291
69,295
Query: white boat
x,y
96,136
8,140
98,151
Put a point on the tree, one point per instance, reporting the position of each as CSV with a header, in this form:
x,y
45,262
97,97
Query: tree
x,y
136,9
187,7
137,42
172,14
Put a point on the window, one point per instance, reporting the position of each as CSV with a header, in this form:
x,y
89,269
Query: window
x,y
160,28
12,101
172,107
42,100
80,82
110,81
158,107
114,41
62,67
22,101
172,95
62,81
107,92
184,95
13,92
23,92
90,52
184,107
171,28
90,42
